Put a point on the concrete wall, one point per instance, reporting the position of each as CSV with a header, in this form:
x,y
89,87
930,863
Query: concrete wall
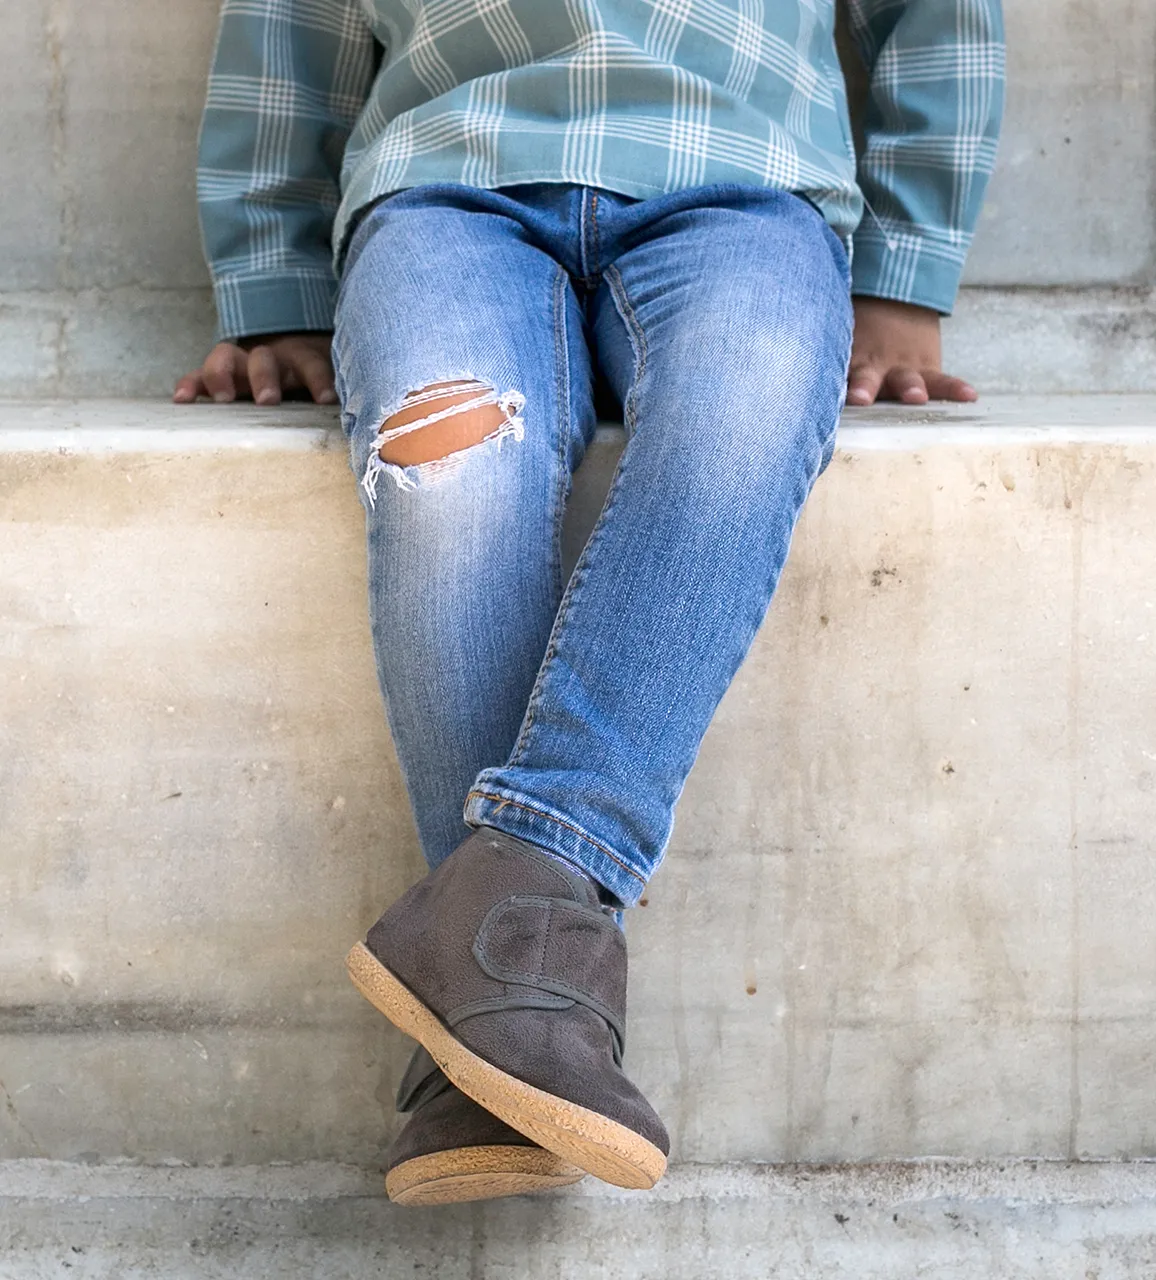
x,y
907,911
102,288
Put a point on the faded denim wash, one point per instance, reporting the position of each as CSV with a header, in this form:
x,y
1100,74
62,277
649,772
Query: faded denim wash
x,y
569,713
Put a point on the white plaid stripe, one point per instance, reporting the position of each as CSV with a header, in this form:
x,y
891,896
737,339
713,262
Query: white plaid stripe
x,y
484,127
689,148
507,34
588,62
274,121
781,165
750,22
777,52
312,15
352,67
664,30
798,117
639,96
434,72
286,100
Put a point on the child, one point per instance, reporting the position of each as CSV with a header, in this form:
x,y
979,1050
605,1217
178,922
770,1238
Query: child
x,y
518,197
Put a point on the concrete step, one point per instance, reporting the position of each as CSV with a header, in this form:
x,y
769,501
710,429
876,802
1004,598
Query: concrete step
x,y
131,339
949,1221
908,908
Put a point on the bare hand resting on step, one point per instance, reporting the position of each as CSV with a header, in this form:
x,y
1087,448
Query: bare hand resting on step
x,y
896,355
263,368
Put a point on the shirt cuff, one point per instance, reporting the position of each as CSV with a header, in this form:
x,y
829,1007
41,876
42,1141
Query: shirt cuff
x,y
278,302
906,267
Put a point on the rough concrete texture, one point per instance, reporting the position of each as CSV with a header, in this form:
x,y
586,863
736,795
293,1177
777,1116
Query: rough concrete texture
x,y
907,908
1033,340
101,278
950,1222
134,342
1080,131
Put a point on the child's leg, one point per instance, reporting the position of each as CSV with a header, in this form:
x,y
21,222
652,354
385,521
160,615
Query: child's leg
x,y
449,317
726,328
724,322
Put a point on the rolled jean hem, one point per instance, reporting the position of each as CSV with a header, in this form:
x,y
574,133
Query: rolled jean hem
x,y
520,816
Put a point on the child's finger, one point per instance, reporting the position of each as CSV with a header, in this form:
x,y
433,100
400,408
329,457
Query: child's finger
x,y
317,374
264,376
188,388
942,386
906,386
863,384
223,371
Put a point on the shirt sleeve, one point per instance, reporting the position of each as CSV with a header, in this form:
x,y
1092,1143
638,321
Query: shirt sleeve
x,y
935,102
288,81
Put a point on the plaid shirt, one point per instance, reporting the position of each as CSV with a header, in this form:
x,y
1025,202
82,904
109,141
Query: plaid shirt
x,y
317,107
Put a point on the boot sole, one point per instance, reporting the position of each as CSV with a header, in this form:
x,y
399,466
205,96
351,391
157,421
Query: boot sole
x,y
593,1142
477,1173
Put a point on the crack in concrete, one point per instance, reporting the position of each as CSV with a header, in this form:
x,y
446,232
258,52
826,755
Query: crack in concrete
x,y
10,1107
1077,482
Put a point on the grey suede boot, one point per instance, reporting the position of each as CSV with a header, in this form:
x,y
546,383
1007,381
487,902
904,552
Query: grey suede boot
x,y
512,975
453,1150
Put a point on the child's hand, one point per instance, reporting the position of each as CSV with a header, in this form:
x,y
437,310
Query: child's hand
x,y
896,356
263,368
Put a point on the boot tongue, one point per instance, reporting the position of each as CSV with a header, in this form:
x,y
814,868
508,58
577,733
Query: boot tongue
x,y
422,1081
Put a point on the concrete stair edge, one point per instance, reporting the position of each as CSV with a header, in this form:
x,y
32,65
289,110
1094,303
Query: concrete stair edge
x,y
953,1221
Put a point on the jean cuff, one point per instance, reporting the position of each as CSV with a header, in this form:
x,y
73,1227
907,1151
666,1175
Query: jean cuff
x,y
528,820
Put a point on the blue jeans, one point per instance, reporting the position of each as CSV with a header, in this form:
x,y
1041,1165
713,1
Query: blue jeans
x,y
569,713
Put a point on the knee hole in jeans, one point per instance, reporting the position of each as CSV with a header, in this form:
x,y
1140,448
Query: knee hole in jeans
x,y
409,445
434,428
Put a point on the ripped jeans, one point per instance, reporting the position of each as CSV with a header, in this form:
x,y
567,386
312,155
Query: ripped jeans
x,y
569,713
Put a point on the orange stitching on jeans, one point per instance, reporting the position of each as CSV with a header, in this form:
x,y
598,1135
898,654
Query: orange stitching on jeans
x,y
485,795
597,233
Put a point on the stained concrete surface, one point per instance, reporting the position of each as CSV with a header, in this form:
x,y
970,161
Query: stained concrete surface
x,y
948,1221
907,907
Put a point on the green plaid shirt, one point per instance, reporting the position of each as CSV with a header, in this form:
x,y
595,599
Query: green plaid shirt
x,y
317,107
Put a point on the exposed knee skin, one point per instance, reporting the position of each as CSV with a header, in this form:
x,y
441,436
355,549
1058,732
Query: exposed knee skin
x,y
448,435
430,435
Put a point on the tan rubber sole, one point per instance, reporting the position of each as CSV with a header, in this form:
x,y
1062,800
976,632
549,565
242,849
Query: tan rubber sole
x,y
593,1142
477,1173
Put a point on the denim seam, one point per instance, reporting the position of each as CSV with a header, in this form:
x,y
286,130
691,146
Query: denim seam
x,y
638,345
563,604
597,234
501,801
827,447
347,423
562,389
570,596
637,336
